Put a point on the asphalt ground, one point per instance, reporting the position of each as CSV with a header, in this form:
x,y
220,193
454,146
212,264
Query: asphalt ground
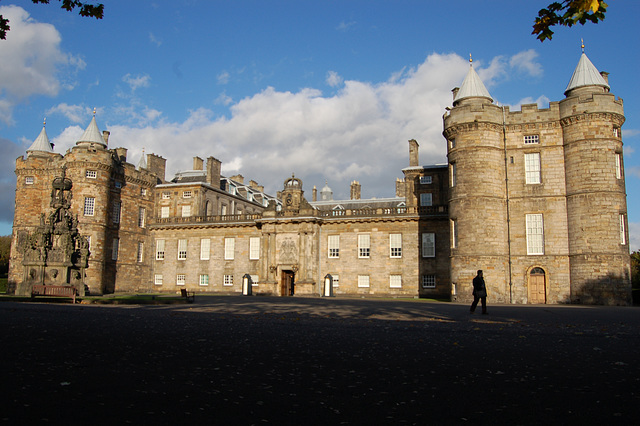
x,y
318,361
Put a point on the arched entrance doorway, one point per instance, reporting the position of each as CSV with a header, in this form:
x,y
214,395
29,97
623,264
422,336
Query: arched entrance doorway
x,y
537,286
287,283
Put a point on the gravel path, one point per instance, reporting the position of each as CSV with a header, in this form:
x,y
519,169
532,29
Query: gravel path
x,y
299,361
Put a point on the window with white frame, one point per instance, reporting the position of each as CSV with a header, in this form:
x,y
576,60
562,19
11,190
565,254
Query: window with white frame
x,y
227,280
425,180
117,211
205,249
254,248
452,143
616,131
143,191
623,230
158,279
535,234
164,212
91,174
395,245
254,280
159,249
142,216
364,246
223,209
428,281
426,199
186,211
166,195
186,194
181,279
336,280
229,248
334,246
532,168
428,244
618,165
363,281
29,180
140,256
114,249
395,281
454,233
531,139
452,174
182,249
204,279
89,206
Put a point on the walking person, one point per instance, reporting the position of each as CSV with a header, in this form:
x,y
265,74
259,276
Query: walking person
x,y
479,293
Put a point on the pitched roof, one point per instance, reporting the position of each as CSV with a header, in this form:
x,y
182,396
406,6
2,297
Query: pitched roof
x,y
92,134
585,74
472,87
41,143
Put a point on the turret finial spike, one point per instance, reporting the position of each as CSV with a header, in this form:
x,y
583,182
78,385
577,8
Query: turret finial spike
x,y
582,44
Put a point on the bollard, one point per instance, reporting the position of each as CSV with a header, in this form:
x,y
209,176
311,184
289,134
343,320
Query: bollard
x,y
246,285
327,290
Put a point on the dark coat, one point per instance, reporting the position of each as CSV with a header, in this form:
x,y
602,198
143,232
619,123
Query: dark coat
x,y
479,289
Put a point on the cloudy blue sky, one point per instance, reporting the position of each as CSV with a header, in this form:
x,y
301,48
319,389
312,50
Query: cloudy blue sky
x,y
329,90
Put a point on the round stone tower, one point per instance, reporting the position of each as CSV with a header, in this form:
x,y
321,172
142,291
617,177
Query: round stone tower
x,y
591,118
477,196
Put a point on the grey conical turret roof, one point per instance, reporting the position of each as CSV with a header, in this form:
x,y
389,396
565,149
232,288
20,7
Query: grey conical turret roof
x,y
41,144
585,74
472,86
92,134
142,164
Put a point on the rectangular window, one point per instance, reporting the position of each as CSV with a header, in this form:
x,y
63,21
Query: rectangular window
x,y
166,195
140,256
452,174
334,246
532,168
616,132
186,211
428,244
91,174
618,165
142,214
363,280
117,211
395,281
425,180
181,279
28,180
164,212
227,280
336,280
454,233
623,230
159,249
426,199
428,281
205,249
364,246
395,245
452,143
229,248
223,209
114,249
186,194
254,280
89,205
143,191
158,279
118,184
254,248
204,279
530,139
182,249
535,234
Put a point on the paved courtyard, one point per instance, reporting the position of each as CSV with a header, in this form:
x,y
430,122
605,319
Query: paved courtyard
x,y
311,361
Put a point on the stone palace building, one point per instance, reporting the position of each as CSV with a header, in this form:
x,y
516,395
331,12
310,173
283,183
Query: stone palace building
x,y
536,198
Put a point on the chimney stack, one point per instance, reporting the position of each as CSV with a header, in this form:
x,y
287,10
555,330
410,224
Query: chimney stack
x,y
197,163
413,153
355,190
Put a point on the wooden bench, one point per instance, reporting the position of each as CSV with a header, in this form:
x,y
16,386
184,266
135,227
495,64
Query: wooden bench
x,y
54,291
189,295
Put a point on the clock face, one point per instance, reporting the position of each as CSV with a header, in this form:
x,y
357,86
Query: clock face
x,y
289,200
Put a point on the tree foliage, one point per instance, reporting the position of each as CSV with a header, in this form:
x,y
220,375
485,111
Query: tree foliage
x,y
85,9
5,251
568,13
635,269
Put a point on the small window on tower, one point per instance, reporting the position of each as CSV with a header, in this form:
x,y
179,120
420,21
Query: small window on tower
x,y
91,174
28,180
529,139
